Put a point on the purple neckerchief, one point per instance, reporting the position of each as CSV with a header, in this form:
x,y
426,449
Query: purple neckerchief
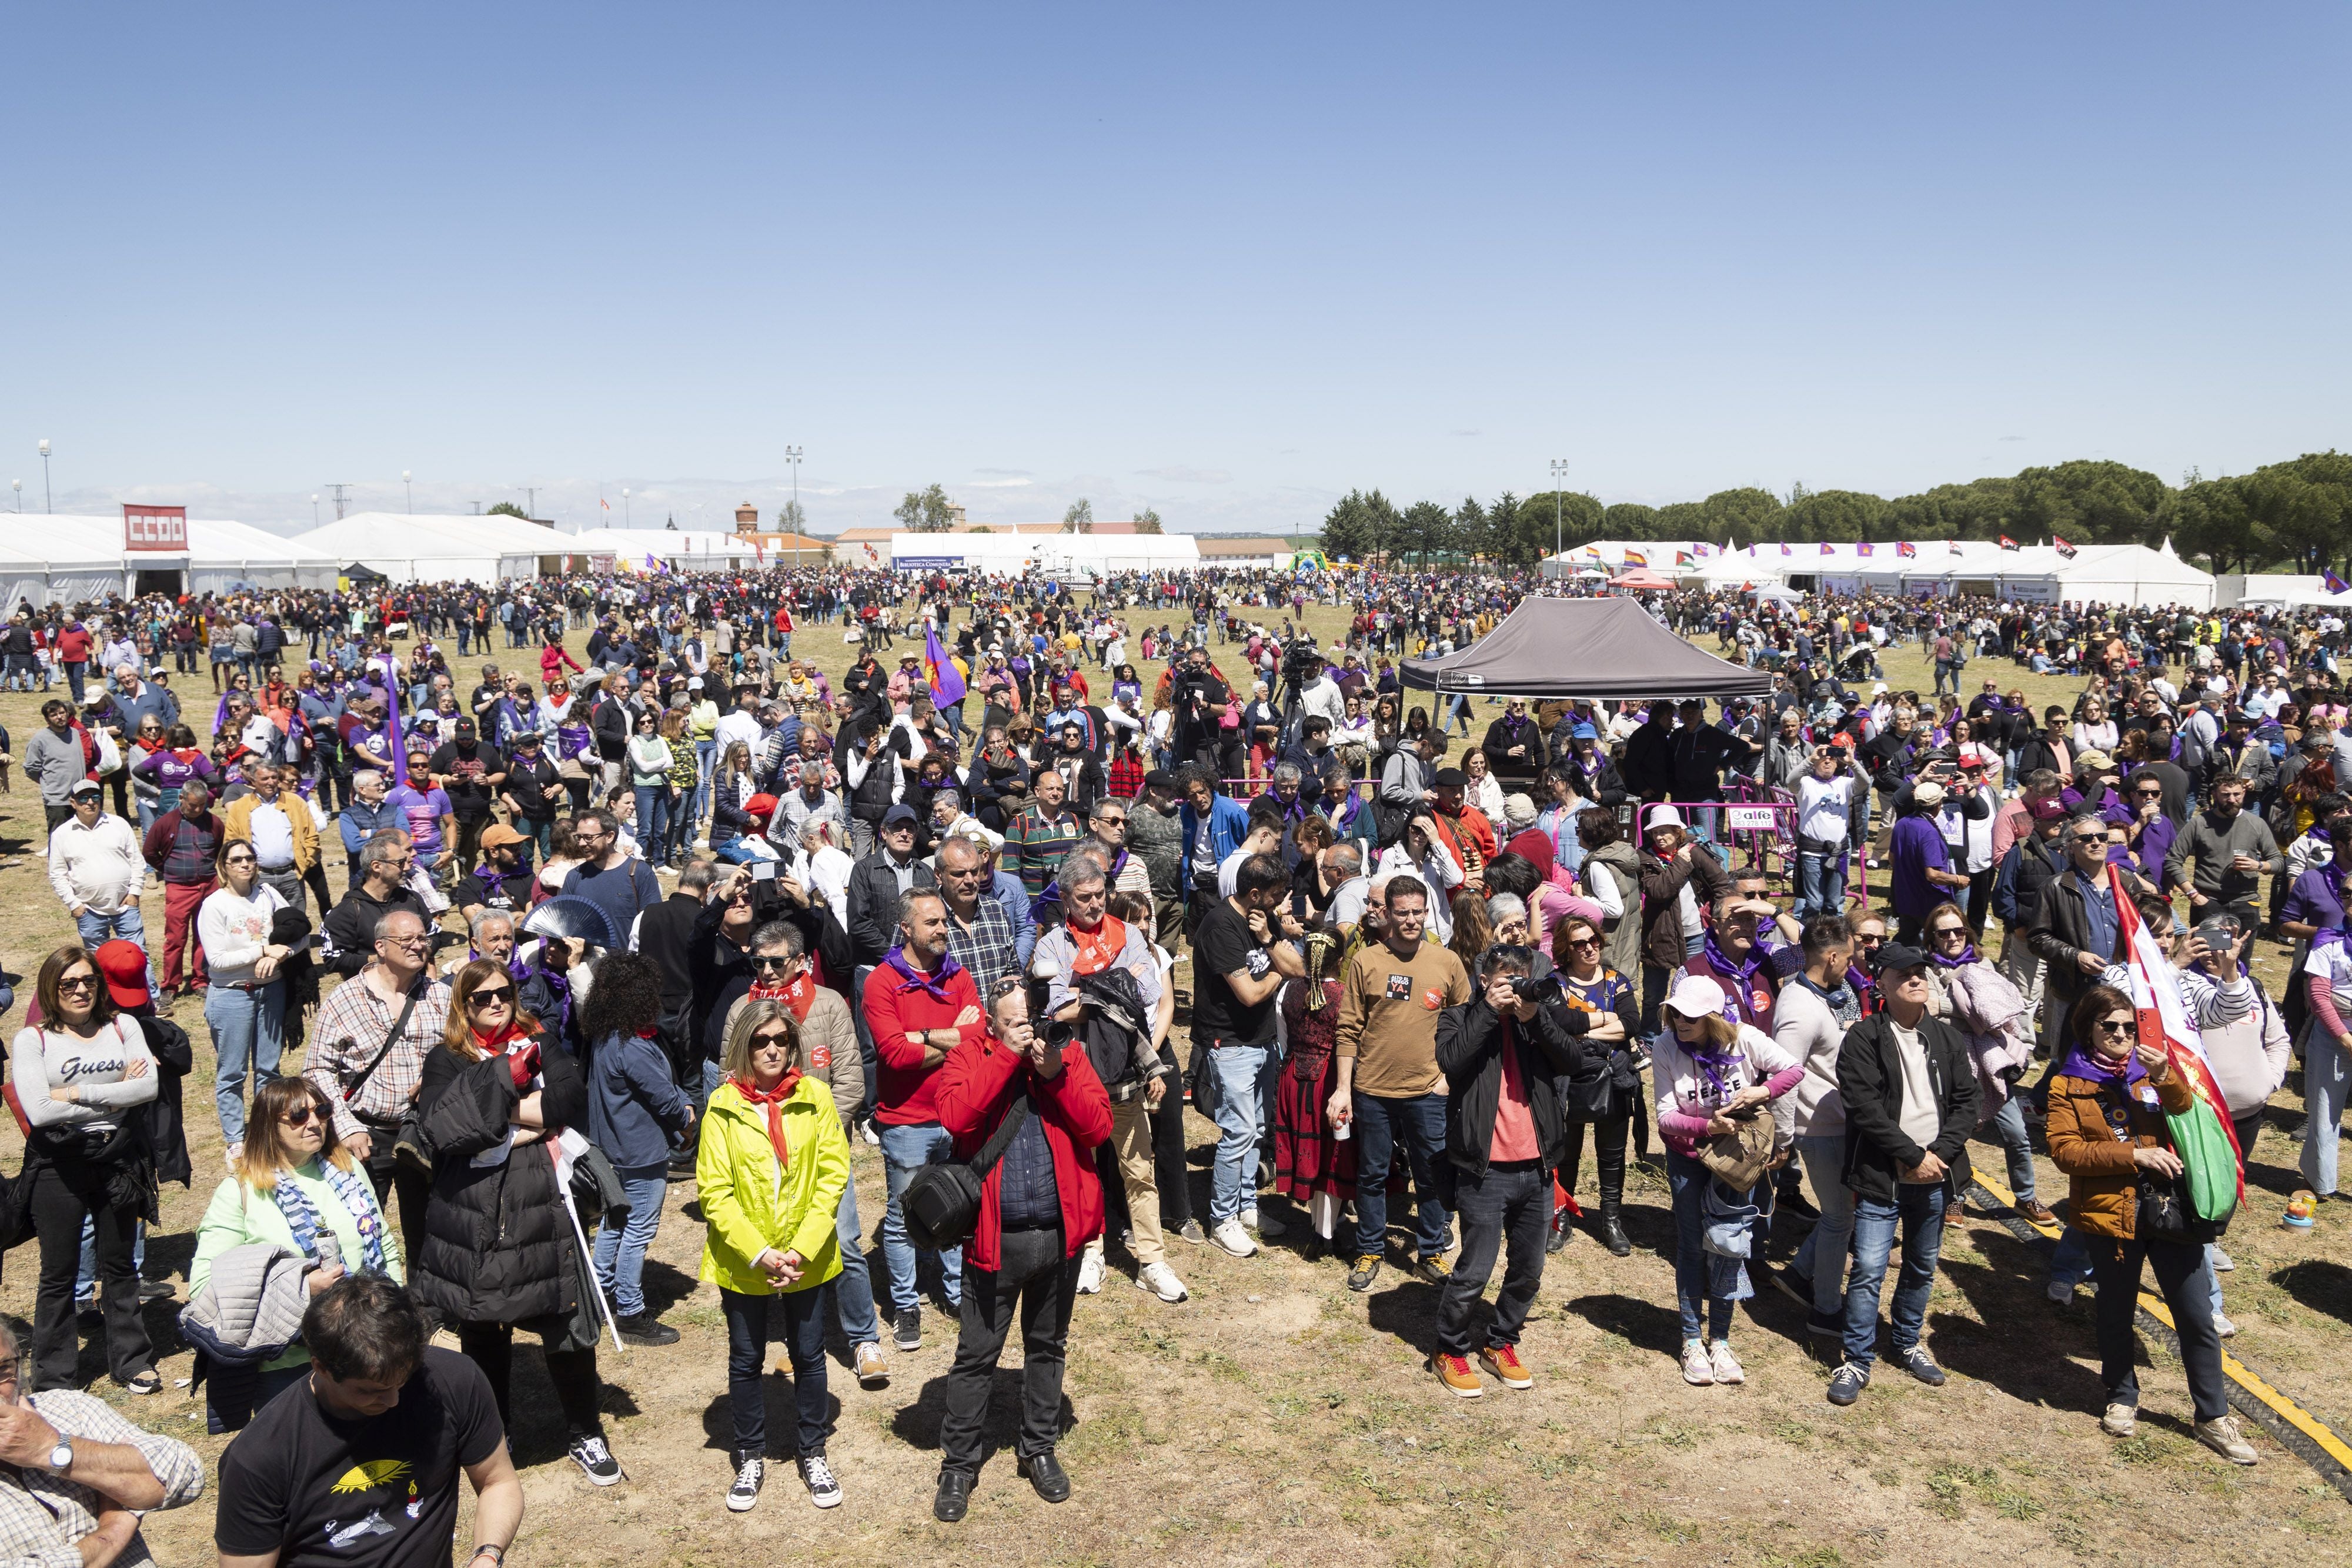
x,y
1717,1067
1741,972
932,985
1967,956
1865,987
2132,1076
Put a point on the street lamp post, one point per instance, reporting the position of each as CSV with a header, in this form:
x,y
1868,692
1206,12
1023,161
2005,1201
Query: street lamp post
x,y
18,486
793,457
314,508
410,490
48,498
624,507
1558,477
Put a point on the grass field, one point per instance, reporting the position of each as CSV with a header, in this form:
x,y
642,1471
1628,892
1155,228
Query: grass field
x,y
1275,1417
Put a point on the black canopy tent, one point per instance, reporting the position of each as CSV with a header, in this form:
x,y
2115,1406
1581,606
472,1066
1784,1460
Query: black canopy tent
x,y
1599,648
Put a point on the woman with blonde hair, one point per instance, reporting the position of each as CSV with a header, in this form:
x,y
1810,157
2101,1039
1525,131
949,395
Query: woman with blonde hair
x,y
499,1251
293,1186
770,1171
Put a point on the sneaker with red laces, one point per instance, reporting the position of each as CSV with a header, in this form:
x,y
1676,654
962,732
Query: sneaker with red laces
x,y
1503,1364
1454,1371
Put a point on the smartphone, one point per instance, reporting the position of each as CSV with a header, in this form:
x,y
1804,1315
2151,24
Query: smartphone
x,y
763,871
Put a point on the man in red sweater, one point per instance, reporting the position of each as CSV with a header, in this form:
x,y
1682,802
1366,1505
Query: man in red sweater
x,y
1040,1204
920,1004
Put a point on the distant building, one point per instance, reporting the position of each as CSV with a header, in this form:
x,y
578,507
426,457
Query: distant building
x,y
767,544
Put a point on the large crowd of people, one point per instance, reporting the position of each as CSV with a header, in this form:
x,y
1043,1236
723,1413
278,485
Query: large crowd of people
x,y
682,904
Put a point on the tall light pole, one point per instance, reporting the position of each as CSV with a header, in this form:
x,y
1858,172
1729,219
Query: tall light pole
x,y
1558,477
48,498
314,508
411,492
793,457
624,507
18,486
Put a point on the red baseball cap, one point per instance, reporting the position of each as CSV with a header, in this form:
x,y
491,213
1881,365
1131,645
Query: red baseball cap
x,y
123,966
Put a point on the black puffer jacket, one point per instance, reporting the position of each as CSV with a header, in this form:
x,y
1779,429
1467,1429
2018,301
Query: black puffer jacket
x,y
497,1245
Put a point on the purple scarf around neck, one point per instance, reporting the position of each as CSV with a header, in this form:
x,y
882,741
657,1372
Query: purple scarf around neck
x,y
932,985
1967,956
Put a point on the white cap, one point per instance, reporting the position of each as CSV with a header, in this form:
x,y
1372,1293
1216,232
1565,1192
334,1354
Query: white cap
x,y
1696,997
1664,817
1929,793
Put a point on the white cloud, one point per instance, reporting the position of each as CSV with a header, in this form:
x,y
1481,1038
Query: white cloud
x,y
1184,476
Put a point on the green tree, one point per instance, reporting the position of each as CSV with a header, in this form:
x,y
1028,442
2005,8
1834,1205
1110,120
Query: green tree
x,y
1554,521
1980,510
1147,521
1080,517
1628,520
508,509
2086,502
1360,527
1743,515
1473,535
1840,516
1683,520
790,519
926,511
1425,529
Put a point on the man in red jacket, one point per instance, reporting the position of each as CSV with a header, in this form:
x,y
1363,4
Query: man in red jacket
x,y
921,1004
1040,1204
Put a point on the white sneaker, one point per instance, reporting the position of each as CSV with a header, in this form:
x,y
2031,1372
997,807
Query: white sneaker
x,y
1090,1272
2221,1261
1230,1236
1697,1370
1161,1281
2224,1327
1724,1365
872,1136
1265,1225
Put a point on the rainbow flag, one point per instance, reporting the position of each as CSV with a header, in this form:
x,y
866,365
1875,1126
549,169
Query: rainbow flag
x,y
939,671
2203,1135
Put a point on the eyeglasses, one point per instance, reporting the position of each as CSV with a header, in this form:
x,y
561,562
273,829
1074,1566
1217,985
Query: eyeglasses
x,y
78,983
2115,1025
415,941
303,1116
499,993
771,1037
1960,931
1584,942
1871,938
769,961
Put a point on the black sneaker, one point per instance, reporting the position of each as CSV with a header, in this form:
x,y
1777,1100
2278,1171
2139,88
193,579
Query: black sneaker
x,y
593,1458
906,1329
818,1476
1847,1383
1791,1202
1798,1288
645,1329
1433,1270
1825,1325
750,1470
1367,1270
1919,1364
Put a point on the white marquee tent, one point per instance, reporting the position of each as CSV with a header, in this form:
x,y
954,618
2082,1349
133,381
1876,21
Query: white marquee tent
x,y
2033,574
682,549
224,555
441,548
1014,553
59,558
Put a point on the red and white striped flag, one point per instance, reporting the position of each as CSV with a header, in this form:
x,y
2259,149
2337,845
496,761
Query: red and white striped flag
x,y
2165,1023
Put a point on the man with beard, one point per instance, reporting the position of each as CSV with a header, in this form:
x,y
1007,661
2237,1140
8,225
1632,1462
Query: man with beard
x,y
2233,850
997,786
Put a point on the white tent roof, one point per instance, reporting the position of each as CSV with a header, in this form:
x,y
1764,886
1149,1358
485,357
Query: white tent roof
x,y
683,546
61,540
426,548
217,540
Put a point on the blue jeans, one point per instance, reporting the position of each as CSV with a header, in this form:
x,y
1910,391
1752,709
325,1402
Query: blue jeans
x,y
905,1150
540,834
2070,1265
1686,1179
621,1248
705,763
1419,1123
750,1329
854,1286
1821,883
1920,1208
1239,1113
75,669
1822,1258
248,1027
96,928
2008,1125
653,819
86,1273
2326,1082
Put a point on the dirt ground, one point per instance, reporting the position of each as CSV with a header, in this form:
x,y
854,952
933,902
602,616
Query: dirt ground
x,y
1275,1417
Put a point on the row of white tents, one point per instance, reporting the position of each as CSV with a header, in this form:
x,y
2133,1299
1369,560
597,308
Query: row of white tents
x,y
2033,574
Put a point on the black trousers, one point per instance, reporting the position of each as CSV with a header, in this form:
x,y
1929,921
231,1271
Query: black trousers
x,y
56,1213
1509,1205
1034,1277
1609,1137
490,1346
386,1176
2187,1289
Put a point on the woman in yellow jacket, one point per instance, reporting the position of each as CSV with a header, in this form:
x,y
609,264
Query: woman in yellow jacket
x,y
770,1172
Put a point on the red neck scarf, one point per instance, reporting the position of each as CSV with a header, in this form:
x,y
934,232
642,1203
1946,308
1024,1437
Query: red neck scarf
x,y
774,1101
796,994
496,1044
1098,949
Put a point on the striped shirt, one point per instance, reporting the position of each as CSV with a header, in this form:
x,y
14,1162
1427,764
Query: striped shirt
x,y
1037,845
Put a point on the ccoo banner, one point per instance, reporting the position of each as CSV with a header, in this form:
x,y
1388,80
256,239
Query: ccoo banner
x,y
154,528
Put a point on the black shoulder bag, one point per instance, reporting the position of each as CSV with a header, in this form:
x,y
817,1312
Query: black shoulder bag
x,y
942,1203
359,1080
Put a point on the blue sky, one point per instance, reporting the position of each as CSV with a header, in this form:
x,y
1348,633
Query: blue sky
x,y
1226,262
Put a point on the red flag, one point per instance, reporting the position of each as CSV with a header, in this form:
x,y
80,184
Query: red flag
x,y
1906,549
2008,543
2065,551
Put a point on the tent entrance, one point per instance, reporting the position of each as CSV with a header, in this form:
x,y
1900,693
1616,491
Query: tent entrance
x,y
148,581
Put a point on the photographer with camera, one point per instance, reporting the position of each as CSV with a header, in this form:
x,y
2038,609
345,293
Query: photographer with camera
x,y
1199,698
1504,1053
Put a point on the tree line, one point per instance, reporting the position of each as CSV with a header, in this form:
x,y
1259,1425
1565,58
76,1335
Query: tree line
x,y
2293,515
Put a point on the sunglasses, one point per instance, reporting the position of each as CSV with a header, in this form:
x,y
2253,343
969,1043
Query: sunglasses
x,y
764,962
494,994
78,983
2113,1026
304,1116
771,1037
1960,931
1584,942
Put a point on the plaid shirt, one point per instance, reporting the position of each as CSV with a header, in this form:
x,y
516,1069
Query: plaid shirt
x,y
985,947
1126,774
42,1514
349,1030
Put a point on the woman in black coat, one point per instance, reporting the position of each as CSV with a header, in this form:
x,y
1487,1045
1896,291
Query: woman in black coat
x,y
499,1251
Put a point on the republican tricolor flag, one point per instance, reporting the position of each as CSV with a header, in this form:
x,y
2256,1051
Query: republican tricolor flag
x,y
1635,558
939,671
2203,1135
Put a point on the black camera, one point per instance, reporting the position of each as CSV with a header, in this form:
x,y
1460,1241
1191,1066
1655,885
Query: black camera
x,y
1532,989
